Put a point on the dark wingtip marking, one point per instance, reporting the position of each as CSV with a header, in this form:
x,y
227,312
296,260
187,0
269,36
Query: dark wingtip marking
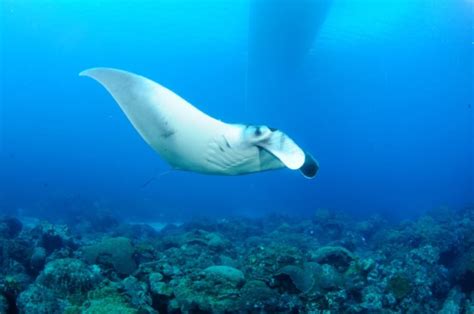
x,y
310,167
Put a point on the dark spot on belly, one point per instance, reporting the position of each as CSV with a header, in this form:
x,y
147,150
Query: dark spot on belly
x,y
167,133
165,130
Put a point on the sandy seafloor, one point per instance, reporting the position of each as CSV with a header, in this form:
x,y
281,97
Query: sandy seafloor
x,y
329,263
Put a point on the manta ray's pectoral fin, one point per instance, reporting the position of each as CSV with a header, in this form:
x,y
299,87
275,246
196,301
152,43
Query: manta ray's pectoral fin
x,y
290,154
144,102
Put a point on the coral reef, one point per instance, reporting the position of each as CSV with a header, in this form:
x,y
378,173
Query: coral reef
x,y
36,299
328,264
69,276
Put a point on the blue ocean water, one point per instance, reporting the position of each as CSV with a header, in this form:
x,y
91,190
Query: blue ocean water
x,y
380,92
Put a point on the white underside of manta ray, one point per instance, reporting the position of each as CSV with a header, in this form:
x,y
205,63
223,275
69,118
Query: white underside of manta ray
x,y
190,140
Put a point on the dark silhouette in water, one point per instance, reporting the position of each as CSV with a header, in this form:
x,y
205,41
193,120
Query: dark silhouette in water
x,y
281,33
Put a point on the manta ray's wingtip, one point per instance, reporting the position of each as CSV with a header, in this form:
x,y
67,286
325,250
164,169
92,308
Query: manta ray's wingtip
x,y
92,71
89,72
101,73
310,167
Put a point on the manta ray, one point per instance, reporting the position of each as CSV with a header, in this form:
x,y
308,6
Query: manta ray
x,y
190,140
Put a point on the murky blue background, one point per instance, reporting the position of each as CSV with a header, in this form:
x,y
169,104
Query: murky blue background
x,y
380,92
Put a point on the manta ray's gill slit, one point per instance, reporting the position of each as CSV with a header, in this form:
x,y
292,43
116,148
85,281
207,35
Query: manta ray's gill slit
x,y
282,141
226,141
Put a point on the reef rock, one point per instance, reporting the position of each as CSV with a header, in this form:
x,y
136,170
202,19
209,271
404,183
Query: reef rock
x,y
137,291
3,304
302,279
53,237
399,285
38,258
216,289
107,299
211,240
256,295
224,274
453,303
336,256
10,227
311,277
117,252
40,300
157,286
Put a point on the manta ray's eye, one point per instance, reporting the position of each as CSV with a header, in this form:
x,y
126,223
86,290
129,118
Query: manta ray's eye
x,y
254,133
